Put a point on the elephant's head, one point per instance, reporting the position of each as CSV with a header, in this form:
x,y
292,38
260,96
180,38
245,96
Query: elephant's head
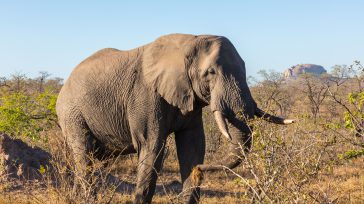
x,y
193,71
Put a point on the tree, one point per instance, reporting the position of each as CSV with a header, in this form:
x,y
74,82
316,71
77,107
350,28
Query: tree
x,y
41,80
3,82
19,80
271,92
315,89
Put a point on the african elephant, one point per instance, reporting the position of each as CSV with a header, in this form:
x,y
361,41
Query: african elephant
x,y
130,101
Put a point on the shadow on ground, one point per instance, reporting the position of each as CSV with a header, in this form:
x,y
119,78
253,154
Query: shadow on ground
x,y
169,188
19,160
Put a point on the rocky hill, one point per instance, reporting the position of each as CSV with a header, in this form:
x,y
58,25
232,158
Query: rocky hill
x,y
296,70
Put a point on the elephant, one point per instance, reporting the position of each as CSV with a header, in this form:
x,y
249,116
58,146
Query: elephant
x,y
130,101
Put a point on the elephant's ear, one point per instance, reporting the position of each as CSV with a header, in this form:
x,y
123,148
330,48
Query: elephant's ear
x,y
164,71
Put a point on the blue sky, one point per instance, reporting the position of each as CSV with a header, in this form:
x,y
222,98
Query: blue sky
x,y
55,36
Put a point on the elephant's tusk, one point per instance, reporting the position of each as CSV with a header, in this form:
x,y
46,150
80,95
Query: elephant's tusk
x,y
221,123
288,121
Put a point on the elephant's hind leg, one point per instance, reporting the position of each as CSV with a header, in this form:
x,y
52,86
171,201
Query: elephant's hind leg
x,y
78,138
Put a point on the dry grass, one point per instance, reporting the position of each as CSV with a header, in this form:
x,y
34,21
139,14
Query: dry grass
x,y
344,184
335,182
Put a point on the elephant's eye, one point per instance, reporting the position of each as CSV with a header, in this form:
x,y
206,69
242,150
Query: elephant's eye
x,y
211,71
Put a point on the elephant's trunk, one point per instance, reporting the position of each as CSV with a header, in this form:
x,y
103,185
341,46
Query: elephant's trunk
x,y
271,118
239,141
226,106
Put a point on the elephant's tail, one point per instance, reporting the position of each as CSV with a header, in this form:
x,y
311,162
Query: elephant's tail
x,y
271,118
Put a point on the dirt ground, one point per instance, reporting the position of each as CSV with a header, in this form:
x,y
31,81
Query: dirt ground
x,y
344,183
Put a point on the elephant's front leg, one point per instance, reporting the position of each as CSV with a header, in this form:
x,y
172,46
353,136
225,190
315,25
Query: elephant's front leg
x,y
191,150
149,165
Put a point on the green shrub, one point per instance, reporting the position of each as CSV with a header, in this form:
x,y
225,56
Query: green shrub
x,y
27,115
350,154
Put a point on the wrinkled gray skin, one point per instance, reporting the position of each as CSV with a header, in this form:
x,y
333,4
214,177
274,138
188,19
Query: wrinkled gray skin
x,y
130,101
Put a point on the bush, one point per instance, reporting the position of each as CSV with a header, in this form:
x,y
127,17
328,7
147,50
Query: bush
x,y
27,115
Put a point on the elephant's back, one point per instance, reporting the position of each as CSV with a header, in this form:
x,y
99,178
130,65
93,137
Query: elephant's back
x,y
98,88
90,69
80,80
106,66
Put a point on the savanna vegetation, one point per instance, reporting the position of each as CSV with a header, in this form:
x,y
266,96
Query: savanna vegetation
x,y
318,159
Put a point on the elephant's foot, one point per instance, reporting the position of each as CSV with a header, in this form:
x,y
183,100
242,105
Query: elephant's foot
x,y
196,176
191,187
140,198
